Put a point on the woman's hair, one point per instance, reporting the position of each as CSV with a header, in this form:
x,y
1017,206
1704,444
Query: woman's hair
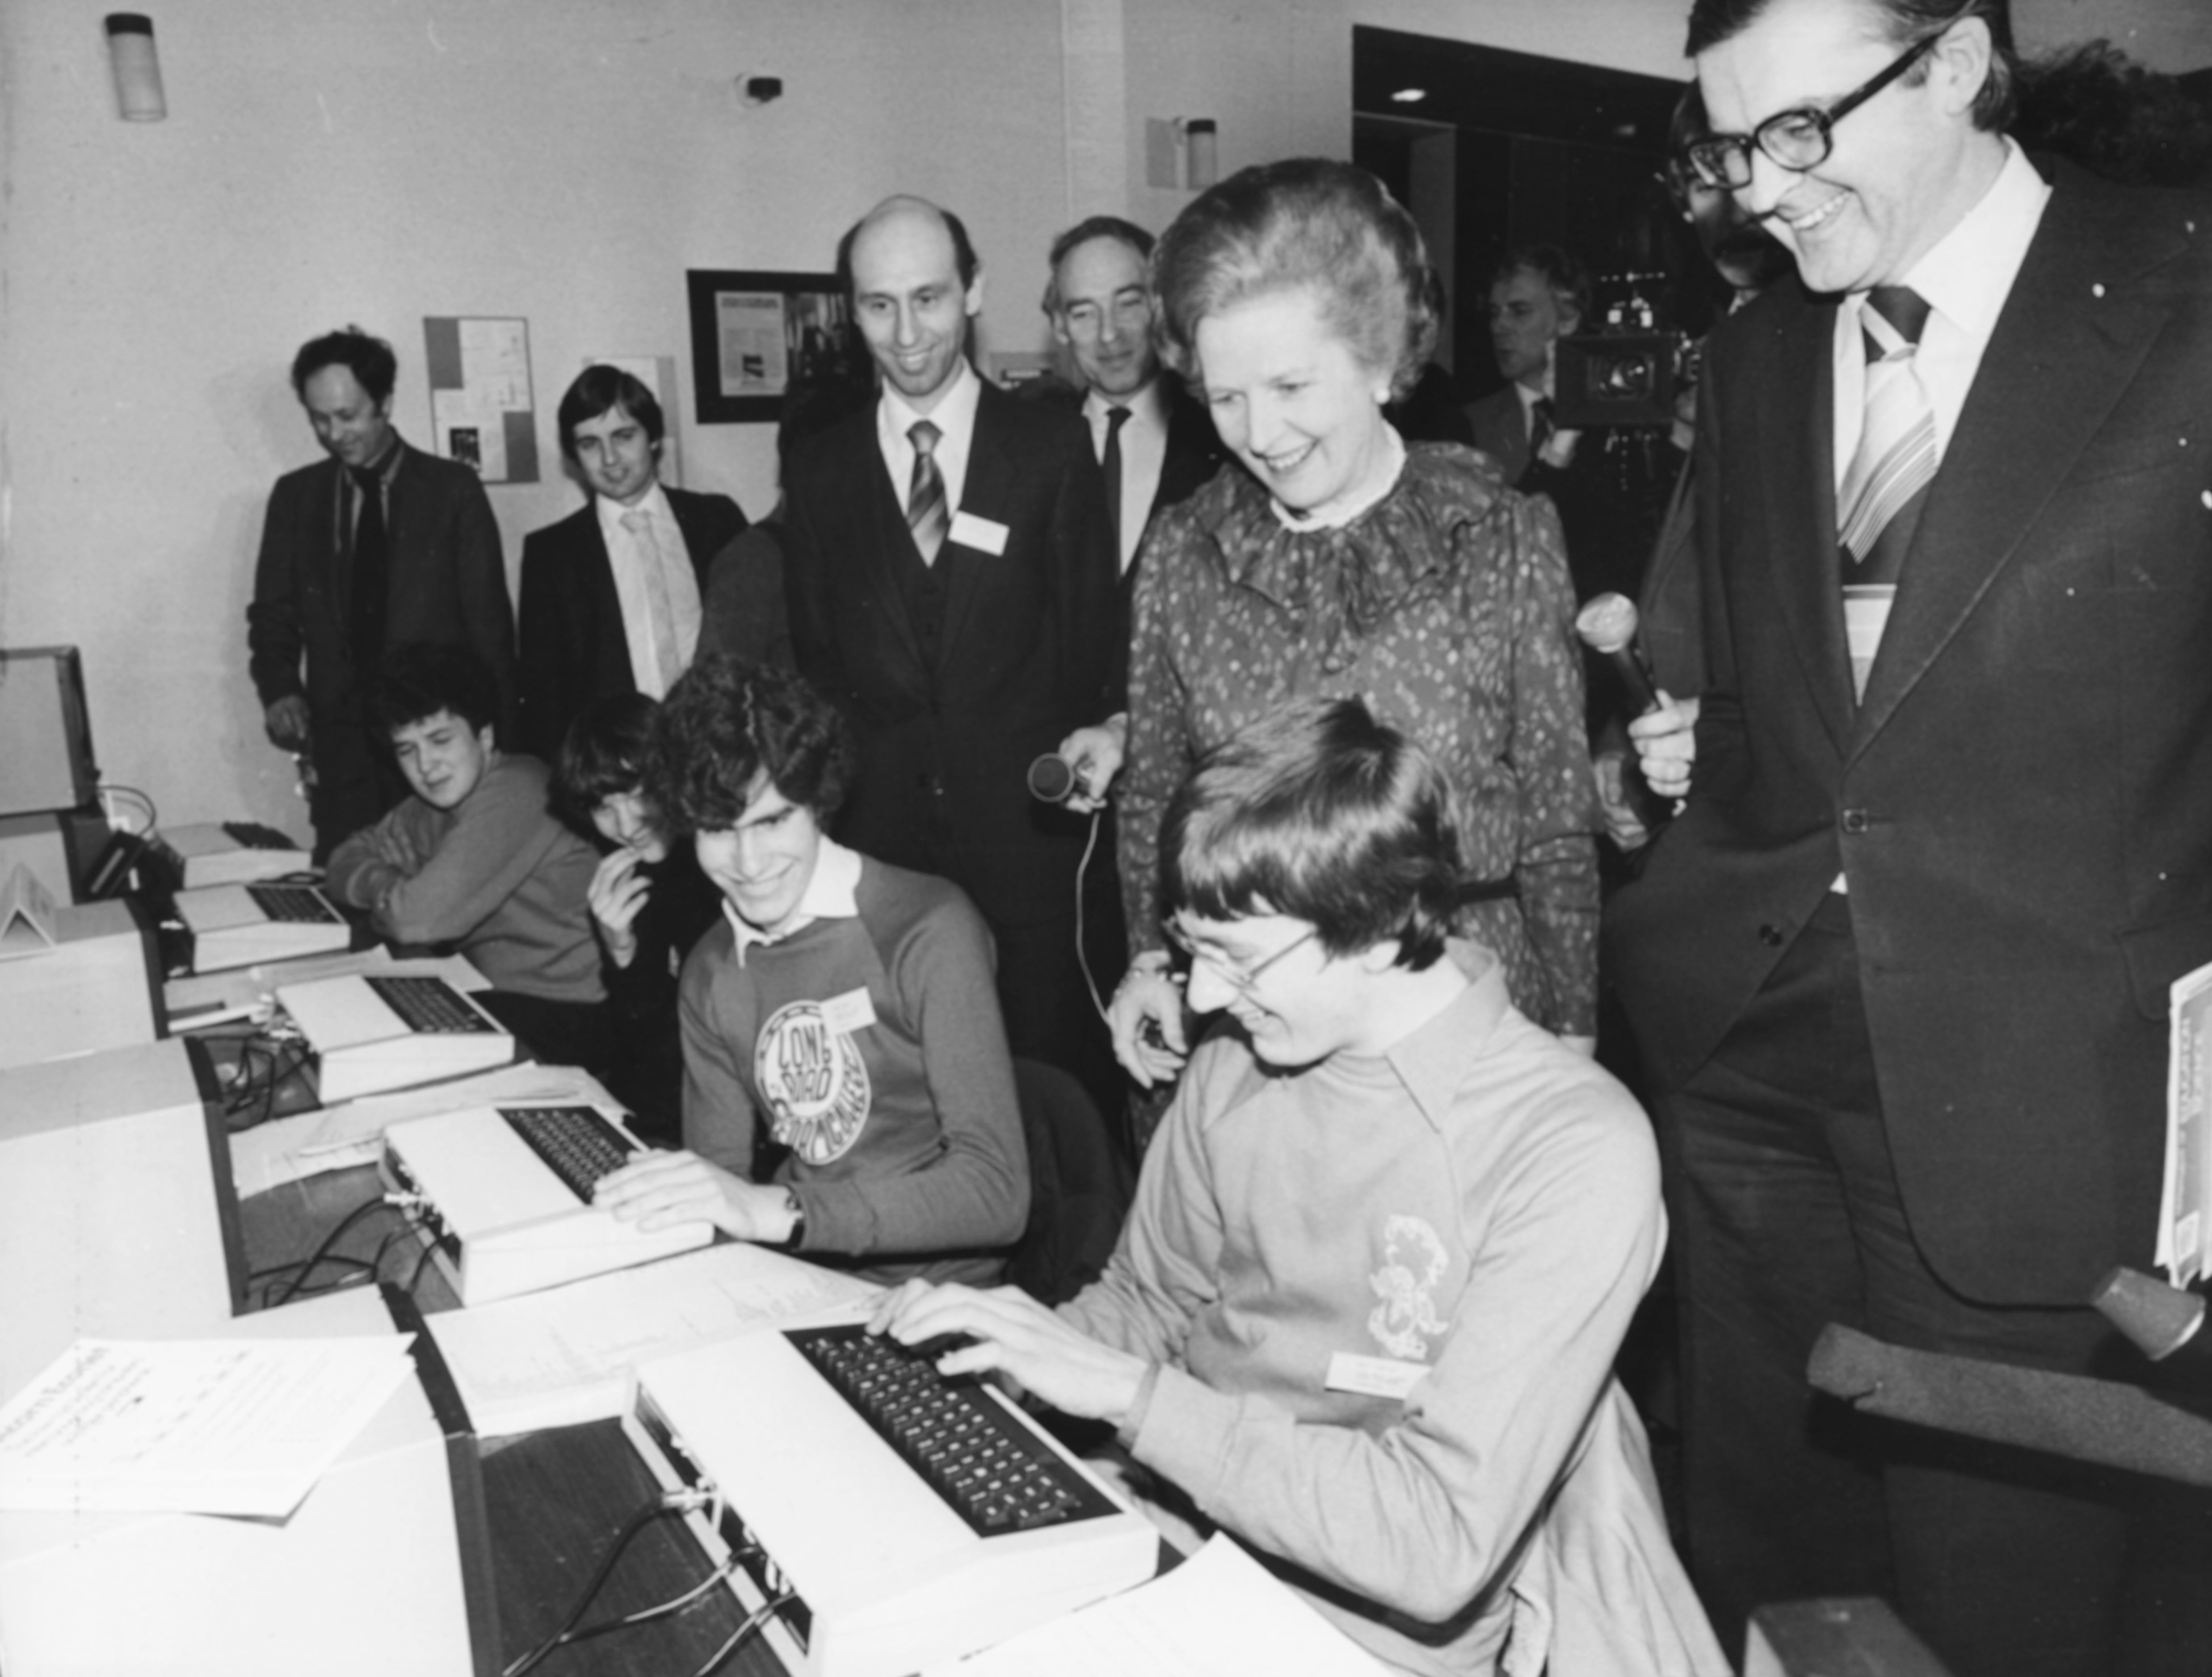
x,y
605,753
1310,225
1320,812
727,723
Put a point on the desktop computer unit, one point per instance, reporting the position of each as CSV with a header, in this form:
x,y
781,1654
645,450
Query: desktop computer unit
x,y
374,1031
46,733
230,853
384,1568
99,986
898,1518
238,925
503,1196
117,1215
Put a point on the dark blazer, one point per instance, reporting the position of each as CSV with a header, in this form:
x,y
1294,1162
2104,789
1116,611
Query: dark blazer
x,y
574,650
1026,654
448,583
2023,802
1195,451
1500,425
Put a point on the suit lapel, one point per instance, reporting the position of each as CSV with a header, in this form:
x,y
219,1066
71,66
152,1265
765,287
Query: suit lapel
x,y
2061,356
599,597
1796,429
893,543
987,493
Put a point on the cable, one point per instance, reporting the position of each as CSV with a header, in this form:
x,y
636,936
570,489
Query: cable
x,y
146,809
753,1622
1082,955
668,1502
331,1240
719,1574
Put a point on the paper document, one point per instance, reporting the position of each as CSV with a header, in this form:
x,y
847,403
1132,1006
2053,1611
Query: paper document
x,y
195,1426
2183,1231
1219,1614
568,1355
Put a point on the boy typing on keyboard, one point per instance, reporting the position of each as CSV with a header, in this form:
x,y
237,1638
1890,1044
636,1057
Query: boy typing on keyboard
x,y
474,861
1364,1309
847,1092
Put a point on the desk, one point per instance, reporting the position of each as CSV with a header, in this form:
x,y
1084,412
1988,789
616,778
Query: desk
x,y
556,1498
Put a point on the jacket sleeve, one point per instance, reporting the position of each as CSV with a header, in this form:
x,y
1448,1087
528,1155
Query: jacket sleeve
x,y
274,638
480,577
975,1192
381,857
537,666
808,596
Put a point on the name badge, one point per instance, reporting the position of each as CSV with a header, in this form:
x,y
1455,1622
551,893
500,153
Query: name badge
x,y
985,535
849,1013
1373,1376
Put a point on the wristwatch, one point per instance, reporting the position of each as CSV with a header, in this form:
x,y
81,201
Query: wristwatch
x,y
790,1241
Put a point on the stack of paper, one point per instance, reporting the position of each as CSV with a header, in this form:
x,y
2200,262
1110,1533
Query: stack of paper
x,y
570,1354
194,1427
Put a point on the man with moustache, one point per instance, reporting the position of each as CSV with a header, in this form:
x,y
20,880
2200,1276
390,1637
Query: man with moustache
x,y
1899,968
380,545
950,578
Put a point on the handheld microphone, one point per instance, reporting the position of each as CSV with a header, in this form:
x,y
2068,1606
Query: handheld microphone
x,y
1052,779
1608,627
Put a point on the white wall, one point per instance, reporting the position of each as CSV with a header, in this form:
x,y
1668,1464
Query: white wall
x,y
329,160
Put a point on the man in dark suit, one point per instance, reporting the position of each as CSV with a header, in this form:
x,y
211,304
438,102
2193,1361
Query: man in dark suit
x,y
1155,444
381,544
951,582
611,594
1899,968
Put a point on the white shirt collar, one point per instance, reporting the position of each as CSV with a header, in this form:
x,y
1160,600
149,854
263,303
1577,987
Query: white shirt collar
x,y
1147,406
954,415
1968,274
831,893
653,503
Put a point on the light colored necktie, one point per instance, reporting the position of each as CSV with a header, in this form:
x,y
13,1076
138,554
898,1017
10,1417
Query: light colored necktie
x,y
1889,473
926,514
659,606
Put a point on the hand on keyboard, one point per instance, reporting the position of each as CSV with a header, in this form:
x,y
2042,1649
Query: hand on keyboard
x,y
660,1190
1012,1333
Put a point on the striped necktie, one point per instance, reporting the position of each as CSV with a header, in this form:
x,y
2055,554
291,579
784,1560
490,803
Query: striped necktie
x,y
926,514
1879,502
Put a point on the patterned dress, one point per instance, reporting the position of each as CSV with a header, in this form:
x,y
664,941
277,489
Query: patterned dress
x,y
1446,605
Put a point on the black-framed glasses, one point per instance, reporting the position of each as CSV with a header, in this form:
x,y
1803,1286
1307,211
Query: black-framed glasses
x,y
1797,140
1243,979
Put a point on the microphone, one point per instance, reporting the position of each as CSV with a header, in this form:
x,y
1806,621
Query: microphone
x,y
1052,779
1608,627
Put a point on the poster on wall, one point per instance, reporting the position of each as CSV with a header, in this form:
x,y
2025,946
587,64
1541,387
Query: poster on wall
x,y
480,405
754,336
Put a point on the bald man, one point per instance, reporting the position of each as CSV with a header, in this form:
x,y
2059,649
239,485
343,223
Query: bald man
x,y
951,577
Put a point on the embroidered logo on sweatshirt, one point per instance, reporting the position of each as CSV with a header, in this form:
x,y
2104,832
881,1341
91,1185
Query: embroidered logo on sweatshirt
x,y
1413,1261
814,1081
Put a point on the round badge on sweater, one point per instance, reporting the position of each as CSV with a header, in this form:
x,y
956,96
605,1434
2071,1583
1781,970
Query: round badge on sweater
x,y
814,1081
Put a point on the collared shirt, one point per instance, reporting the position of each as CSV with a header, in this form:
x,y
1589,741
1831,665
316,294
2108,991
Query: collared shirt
x,y
1143,453
954,415
1964,278
829,895
628,558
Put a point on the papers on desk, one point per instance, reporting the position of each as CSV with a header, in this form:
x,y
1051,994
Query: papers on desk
x,y
336,1138
569,1354
2185,1214
1219,1614
194,1427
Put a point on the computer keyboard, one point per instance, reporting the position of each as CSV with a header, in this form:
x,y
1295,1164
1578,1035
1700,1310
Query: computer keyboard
x,y
298,905
429,1004
577,1143
990,1472
253,835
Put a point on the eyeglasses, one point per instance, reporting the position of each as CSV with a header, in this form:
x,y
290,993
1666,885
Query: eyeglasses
x,y
1243,979
1797,140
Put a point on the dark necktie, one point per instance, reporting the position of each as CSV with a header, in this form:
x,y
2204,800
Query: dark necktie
x,y
1117,417
1540,433
1878,505
372,569
926,515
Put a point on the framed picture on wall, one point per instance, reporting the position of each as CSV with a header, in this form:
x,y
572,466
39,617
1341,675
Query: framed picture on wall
x,y
755,335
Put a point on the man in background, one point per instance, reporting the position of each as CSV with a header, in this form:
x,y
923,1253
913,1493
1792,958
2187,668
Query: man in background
x,y
950,581
1154,443
611,594
380,545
